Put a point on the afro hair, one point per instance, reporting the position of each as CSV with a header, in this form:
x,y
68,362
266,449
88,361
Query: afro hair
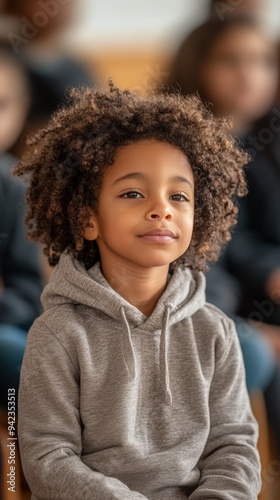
x,y
67,160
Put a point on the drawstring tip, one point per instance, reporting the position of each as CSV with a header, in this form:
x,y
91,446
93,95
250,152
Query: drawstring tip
x,y
131,372
168,398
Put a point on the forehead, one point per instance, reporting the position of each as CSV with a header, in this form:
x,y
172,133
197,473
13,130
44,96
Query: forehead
x,y
149,156
242,39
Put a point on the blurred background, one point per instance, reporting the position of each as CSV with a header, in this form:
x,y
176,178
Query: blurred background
x,y
121,38
227,51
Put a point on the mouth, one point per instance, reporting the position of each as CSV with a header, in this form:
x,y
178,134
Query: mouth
x,y
159,235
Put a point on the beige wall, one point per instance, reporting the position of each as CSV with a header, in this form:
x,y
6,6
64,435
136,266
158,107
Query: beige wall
x,y
140,69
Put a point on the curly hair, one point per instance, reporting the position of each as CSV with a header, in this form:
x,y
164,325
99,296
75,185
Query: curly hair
x,y
68,159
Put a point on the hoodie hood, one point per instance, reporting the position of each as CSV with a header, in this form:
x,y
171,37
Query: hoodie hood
x,y
184,295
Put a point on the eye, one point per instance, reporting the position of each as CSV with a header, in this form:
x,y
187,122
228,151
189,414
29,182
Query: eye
x,y
131,195
179,197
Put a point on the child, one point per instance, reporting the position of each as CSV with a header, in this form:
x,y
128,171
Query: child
x,y
20,264
133,387
14,97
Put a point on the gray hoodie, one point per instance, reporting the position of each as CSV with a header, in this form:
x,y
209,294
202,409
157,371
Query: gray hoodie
x,y
115,405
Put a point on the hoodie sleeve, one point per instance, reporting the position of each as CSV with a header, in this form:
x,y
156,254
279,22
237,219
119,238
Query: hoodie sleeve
x,y
229,466
50,427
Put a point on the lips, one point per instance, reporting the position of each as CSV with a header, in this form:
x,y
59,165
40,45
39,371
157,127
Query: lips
x,y
159,235
159,232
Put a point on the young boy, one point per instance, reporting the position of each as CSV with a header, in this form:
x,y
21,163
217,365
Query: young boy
x,y
132,387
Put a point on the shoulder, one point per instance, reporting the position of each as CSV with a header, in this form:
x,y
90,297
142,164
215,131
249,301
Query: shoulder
x,y
216,335
64,323
62,319
213,324
214,316
60,330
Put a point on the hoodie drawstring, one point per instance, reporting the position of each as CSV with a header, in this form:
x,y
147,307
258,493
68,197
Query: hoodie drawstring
x,y
130,360
164,360
129,357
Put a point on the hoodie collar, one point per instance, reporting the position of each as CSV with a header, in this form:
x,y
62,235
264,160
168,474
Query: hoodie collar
x,y
184,295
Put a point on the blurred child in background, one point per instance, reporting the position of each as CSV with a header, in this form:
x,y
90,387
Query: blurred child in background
x,y
14,97
20,267
234,66
37,34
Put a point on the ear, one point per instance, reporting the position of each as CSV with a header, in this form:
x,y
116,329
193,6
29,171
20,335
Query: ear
x,y
91,231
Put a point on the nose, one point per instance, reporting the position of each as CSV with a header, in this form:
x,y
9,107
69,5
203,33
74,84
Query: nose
x,y
160,211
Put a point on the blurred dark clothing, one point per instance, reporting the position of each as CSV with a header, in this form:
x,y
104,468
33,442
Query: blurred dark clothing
x,y
254,251
7,161
20,267
49,82
261,367
222,288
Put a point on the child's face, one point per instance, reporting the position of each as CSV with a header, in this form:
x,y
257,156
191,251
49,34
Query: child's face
x,y
13,106
150,187
240,74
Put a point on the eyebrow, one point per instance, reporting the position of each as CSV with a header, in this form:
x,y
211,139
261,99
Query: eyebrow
x,y
139,175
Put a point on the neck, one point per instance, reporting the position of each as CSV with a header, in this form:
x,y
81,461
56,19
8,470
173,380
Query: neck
x,y
140,286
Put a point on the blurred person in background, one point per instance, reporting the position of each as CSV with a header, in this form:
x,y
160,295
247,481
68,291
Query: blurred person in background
x,y
227,8
20,267
233,65
36,32
14,99
194,45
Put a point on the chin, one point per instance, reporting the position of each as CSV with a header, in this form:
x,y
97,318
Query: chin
x,y
156,263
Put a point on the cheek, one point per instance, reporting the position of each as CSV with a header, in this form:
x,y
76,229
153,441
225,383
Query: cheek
x,y
8,129
113,224
217,84
11,124
12,116
187,225
266,86
261,95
